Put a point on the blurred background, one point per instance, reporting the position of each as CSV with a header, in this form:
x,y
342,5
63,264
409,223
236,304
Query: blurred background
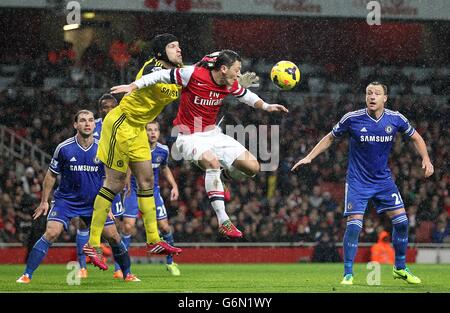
x,y
57,57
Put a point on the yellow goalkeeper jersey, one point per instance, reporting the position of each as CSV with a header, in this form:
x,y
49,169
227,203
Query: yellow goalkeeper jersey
x,y
145,104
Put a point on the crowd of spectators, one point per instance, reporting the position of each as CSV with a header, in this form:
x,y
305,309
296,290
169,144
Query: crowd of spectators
x,y
275,206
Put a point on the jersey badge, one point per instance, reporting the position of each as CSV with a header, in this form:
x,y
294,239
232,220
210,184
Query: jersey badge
x,y
388,129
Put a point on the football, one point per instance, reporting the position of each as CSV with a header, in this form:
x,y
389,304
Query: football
x,y
285,75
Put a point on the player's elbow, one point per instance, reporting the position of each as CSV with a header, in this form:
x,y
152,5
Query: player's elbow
x,y
330,137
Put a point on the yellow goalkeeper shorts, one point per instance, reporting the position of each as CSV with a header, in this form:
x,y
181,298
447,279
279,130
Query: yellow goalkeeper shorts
x,y
121,143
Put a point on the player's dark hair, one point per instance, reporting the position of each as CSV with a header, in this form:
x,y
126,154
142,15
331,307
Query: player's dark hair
x,y
227,58
75,119
215,60
375,83
106,96
158,46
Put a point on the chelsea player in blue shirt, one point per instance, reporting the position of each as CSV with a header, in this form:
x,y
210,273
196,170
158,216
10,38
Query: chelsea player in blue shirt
x,y
81,178
106,103
372,132
160,157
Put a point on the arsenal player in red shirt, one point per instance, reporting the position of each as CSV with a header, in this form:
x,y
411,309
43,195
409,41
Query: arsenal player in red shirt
x,y
204,87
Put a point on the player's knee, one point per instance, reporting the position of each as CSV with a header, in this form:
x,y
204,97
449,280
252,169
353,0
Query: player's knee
x,y
115,183
146,182
208,160
354,217
51,234
210,164
115,186
128,229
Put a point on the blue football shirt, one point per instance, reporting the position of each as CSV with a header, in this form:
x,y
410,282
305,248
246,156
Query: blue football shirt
x,y
371,141
81,173
160,156
98,128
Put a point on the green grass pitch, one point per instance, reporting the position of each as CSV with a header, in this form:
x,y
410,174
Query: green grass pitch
x,y
216,278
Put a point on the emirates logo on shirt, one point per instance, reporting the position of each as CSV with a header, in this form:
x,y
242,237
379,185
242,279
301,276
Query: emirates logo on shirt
x,y
208,102
213,99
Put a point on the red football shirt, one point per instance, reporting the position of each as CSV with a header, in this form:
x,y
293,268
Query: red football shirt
x,y
201,98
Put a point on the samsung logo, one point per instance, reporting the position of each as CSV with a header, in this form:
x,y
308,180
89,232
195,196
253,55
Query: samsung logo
x,y
169,92
83,168
376,138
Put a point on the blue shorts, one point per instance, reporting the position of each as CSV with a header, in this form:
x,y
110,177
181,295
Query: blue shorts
x,y
161,212
63,213
117,206
385,196
131,205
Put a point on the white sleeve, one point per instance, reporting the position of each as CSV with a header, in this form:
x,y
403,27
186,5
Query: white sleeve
x,y
161,76
179,76
248,97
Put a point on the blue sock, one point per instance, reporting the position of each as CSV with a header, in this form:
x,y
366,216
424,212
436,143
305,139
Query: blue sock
x,y
400,239
126,239
81,239
351,244
122,257
169,239
36,256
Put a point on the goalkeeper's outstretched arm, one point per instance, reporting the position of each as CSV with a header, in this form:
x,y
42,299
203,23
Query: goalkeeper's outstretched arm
x,y
178,76
161,76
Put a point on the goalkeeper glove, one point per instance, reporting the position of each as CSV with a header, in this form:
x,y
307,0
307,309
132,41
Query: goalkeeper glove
x,y
248,79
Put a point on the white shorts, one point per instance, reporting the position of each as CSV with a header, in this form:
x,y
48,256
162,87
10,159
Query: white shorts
x,y
191,146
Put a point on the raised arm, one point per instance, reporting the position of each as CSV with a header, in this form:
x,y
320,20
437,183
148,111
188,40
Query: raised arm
x,y
421,147
48,184
321,146
179,76
161,76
